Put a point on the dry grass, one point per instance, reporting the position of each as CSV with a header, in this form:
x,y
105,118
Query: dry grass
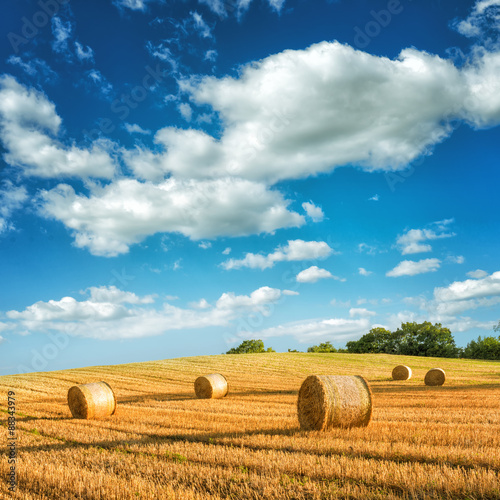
x,y
423,442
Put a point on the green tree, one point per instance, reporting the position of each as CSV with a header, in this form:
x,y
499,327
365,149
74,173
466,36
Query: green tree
x,y
250,346
487,348
324,347
376,340
425,339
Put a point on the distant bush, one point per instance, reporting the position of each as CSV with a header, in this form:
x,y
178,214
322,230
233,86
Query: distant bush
x,y
324,347
250,346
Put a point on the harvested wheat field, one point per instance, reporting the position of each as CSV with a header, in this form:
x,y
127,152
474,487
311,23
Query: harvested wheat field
x,y
162,442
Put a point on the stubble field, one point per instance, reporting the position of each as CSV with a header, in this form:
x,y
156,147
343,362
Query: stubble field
x,y
423,442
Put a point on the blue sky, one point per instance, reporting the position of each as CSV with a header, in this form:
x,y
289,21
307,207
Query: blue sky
x,y
179,176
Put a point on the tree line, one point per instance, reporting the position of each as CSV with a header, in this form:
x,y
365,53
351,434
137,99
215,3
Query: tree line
x,y
411,339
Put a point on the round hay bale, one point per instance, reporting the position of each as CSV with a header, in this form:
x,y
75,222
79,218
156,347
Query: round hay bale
x,y
327,401
401,372
436,376
213,386
95,400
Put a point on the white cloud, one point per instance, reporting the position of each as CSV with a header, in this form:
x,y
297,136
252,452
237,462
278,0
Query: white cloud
x,y
334,329
211,55
374,198
185,110
368,249
456,259
226,251
12,198
34,67
485,16
84,53
201,304
314,212
412,241
110,313
100,81
470,289
200,25
478,273
120,214
114,295
411,268
339,303
163,53
216,6
293,251
290,292
62,34
313,274
205,245
134,128
28,122
364,272
140,5
361,311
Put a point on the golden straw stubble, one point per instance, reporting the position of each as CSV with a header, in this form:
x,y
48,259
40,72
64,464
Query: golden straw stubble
x,y
94,400
401,372
212,386
436,376
327,401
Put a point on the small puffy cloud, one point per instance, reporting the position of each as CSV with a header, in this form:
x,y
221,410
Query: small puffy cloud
x,y
28,126
456,259
133,128
100,81
12,198
290,292
411,268
312,211
83,53
294,250
200,25
364,272
205,245
374,198
368,249
226,251
139,5
313,274
339,303
62,33
477,274
470,289
185,110
413,240
361,311
211,55
258,298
